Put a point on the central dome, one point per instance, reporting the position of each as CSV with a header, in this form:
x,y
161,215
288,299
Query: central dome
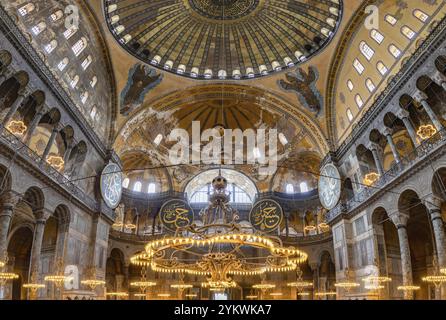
x,y
224,9
223,39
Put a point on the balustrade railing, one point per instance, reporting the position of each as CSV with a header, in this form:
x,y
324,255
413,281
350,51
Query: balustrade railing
x,y
33,158
408,161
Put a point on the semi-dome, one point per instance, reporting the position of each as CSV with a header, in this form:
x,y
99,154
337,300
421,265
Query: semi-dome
x,y
223,39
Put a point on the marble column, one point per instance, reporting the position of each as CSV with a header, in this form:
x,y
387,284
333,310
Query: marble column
x,y
388,135
314,266
400,221
67,153
37,244
376,156
404,116
421,97
9,200
433,205
440,79
33,125
14,107
50,143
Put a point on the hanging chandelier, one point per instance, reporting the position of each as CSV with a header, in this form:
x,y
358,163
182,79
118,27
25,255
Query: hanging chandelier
x,y
436,280
92,281
370,178
300,283
408,288
56,162
117,294
219,248
17,128
347,284
7,276
426,131
58,278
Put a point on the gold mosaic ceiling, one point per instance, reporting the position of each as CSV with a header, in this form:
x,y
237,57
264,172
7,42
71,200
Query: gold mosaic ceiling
x,y
223,39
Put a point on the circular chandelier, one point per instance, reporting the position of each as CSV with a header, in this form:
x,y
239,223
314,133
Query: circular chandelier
x,y
218,249
408,288
426,131
117,294
437,280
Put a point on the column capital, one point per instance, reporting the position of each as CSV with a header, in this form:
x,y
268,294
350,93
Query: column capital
x,y
433,205
10,198
387,132
42,215
399,219
373,146
402,114
438,77
419,96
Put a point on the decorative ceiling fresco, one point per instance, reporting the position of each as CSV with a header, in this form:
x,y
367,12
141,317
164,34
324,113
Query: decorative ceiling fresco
x,y
219,39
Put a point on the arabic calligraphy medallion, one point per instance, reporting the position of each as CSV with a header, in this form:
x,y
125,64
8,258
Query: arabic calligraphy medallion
x,y
266,215
175,214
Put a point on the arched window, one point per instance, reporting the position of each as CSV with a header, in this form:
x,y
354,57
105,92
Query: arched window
x,y
151,188
283,140
370,85
79,46
303,187
51,46
62,64
125,183
158,139
93,81
238,195
381,68
84,97
391,19
74,81
37,29
69,32
377,36
350,85
86,63
358,66
408,32
56,15
349,115
138,186
366,50
27,8
93,112
359,101
394,51
420,15
289,188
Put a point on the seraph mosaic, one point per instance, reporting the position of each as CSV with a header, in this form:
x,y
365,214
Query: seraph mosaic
x,y
304,84
140,81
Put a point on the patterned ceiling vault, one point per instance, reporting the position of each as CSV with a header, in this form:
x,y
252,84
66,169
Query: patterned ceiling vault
x,y
220,39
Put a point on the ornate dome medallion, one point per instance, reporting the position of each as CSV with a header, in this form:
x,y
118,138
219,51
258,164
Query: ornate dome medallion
x,y
224,9
223,39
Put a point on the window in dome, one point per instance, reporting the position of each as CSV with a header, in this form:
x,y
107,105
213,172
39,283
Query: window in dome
x,y
366,50
93,81
408,32
420,15
56,15
79,46
370,85
69,32
158,139
358,66
93,112
350,85
27,8
349,115
37,29
51,46
394,51
74,81
359,101
62,64
303,187
289,188
138,186
151,188
391,19
381,68
86,63
84,97
125,183
377,36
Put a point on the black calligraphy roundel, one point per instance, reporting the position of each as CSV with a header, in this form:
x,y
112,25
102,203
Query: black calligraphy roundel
x,y
266,215
175,214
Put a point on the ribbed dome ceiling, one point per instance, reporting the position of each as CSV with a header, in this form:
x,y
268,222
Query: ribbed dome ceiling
x,y
223,39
